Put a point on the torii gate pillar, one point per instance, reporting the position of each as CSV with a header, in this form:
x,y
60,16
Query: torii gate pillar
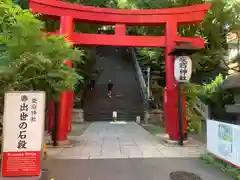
x,y
66,98
171,92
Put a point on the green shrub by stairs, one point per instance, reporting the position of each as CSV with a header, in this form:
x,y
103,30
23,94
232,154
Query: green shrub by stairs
x,y
222,165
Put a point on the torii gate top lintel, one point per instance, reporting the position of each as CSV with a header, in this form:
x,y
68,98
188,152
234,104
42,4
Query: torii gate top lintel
x,y
120,18
182,15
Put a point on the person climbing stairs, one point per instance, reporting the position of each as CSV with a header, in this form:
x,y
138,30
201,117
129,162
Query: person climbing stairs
x,y
125,98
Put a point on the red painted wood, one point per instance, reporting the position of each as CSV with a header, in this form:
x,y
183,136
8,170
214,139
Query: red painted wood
x,y
170,39
165,101
62,123
171,91
71,96
120,29
69,106
51,115
118,40
67,29
185,15
184,114
65,5
65,104
121,40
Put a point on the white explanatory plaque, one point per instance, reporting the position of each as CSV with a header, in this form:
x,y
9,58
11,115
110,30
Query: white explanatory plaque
x,y
223,141
23,127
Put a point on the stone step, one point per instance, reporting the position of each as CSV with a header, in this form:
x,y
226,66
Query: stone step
x,y
107,116
107,110
126,98
110,114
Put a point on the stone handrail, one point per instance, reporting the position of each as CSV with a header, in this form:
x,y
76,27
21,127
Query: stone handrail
x,y
202,109
140,76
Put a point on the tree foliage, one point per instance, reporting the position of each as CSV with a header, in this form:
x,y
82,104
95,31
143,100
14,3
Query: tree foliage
x,y
29,59
216,97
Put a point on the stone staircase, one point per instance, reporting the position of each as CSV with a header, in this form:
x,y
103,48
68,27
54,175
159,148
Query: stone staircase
x,y
126,99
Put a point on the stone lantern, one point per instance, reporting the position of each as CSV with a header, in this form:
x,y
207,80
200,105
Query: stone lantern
x,y
232,82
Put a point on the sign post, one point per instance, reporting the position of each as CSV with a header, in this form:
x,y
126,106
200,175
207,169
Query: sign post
x,y
182,74
180,118
23,127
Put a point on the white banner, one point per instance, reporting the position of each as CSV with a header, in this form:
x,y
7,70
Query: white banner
x,y
23,126
23,121
223,141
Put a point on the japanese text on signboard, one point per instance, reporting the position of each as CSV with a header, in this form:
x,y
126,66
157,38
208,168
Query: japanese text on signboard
x,y
22,137
34,109
24,114
183,68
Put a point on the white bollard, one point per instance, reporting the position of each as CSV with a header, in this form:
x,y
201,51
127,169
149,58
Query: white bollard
x,y
146,117
138,119
114,115
81,115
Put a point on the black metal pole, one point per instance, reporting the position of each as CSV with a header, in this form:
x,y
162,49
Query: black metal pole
x,y
54,131
180,141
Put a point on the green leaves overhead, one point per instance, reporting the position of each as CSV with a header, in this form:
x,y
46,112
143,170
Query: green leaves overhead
x,y
30,60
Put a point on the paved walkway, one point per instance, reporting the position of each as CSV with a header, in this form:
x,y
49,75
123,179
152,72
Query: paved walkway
x,y
130,169
108,151
104,140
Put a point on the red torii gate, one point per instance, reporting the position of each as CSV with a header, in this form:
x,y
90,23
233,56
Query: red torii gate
x,y
171,18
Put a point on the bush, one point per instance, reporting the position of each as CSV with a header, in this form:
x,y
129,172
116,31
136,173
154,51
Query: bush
x,y
29,59
222,165
194,120
213,95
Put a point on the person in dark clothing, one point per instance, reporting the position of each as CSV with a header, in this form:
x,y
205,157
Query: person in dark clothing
x,y
92,84
110,86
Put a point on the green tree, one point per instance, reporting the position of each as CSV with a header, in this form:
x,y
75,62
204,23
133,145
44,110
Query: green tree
x,y
30,60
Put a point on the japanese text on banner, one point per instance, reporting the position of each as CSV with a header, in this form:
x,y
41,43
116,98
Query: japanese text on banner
x,y
22,137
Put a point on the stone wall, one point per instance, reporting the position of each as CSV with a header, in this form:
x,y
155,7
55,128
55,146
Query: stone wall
x,y
156,117
78,116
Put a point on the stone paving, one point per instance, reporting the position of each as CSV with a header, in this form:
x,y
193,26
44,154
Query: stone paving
x,y
107,140
129,169
124,151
